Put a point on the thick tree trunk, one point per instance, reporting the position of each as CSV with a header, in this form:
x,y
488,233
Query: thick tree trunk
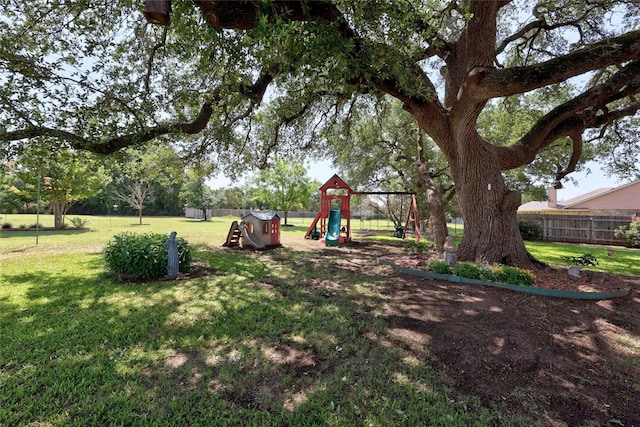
x,y
434,200
204,214
437,215
491,233
58,208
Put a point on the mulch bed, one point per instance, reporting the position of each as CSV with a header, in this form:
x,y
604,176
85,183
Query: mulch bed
x,y
552,277
564,362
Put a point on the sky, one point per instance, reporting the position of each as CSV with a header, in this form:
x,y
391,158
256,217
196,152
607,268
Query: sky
x,y
318,170
323,170
587,183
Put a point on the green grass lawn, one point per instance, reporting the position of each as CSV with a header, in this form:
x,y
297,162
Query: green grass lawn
x,y
620,261
250,344
244,346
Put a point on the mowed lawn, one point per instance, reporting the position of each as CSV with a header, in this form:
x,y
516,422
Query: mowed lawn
x,y
252,343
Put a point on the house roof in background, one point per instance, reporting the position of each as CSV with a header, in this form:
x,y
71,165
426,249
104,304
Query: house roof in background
x,y
571,203
587,196
534,206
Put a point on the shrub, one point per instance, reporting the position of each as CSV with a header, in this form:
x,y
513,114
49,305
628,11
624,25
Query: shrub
x,y
630,233
513,275
144,256
497,273
35,225
411,247
6,225
470,270
490,274
586,260
23,226
78,222
530,230
439,267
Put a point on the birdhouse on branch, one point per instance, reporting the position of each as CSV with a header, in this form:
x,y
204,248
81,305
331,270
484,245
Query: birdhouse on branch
x,y
157,12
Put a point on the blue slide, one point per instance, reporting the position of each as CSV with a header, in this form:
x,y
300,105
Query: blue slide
x,y
332,238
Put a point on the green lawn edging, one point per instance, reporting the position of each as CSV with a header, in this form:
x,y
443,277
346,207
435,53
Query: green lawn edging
x,y
526,289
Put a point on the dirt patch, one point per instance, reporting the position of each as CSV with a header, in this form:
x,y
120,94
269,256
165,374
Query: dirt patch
x,y
561,361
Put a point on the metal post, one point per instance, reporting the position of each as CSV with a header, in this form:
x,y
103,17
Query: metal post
x,y
38,210
114,209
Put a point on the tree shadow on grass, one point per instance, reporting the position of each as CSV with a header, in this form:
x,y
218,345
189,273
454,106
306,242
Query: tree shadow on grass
x,y
281,337
43,232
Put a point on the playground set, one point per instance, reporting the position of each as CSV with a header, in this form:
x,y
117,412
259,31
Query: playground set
x,y
335,202
257,230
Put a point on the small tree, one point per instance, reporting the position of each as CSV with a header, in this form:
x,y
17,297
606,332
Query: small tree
x,y
136,195
64,177
195,193
284,187
234,198
10,198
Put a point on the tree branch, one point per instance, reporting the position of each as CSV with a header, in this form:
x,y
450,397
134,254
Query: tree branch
x,y
494,83
576,152
243,15
154,50
255,92
439,46
538,25
588,110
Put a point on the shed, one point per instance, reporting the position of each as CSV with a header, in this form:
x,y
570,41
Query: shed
x,y
265,226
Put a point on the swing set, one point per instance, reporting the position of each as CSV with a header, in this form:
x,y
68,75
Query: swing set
x,y
335,196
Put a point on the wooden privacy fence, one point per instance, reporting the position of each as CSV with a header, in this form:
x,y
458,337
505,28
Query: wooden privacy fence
x,y
597,230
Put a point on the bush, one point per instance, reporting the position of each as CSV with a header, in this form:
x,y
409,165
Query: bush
x,y
470,270
411,247
439,267
144,256
35,225
6,225
78,222
587,260
513,275
630,233
497,273
530,230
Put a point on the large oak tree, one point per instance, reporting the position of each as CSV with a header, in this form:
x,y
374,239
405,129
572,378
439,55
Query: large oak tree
x,y
94,76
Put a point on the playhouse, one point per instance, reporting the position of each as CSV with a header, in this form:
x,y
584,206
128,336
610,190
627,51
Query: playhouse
x,y
265,226
257,230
